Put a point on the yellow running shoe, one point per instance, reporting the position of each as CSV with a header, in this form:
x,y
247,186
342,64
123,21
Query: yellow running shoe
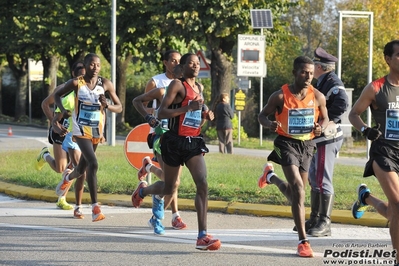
x,y
40,162
63,204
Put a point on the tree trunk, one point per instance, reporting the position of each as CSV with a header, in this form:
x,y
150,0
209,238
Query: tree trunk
x,y
221,75
50,67
121,67
20,73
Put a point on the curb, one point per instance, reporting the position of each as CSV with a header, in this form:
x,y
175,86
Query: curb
x,y
262,210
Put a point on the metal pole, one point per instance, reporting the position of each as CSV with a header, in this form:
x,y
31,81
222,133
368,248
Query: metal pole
x,y
111,128
339,54
370,73
30,94
239,127
261,101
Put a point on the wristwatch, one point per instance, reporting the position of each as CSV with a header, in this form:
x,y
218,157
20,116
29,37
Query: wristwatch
x,y
363,129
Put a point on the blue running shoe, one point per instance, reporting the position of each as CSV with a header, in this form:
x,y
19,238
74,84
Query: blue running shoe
x,y
359,207
156,224
158,207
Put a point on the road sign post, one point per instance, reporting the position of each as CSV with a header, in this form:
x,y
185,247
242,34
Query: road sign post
x,y
205,69
136,147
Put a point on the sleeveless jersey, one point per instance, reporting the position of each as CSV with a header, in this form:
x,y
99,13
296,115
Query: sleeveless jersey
x,y
88,116
297,116
161,81
387,114
188,124
68,102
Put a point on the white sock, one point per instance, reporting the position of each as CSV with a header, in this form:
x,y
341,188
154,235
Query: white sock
x,y
148,168
158,197
175,215
94,205
45,155
78,206
300,241
269,175
61,197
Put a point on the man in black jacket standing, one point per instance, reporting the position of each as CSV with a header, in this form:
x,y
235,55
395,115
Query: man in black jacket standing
x,y
328,145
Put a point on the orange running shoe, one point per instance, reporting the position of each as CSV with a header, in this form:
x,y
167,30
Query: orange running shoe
x,y
63,185
208,243
178,223
136,199
142,173
304,250
78,214
262,181
97,215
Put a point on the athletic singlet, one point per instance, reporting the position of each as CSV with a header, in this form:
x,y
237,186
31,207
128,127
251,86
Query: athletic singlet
x,y
387,114
69,104
297,116
187,124
88,116
161,81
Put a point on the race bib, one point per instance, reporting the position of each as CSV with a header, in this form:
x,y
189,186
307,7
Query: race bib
x,y
300,121
392,124
192,119
89,115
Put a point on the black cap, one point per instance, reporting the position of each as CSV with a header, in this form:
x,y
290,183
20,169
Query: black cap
x,y
320,55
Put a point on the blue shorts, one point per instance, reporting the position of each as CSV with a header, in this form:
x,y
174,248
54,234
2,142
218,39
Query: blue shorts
x,y
68,143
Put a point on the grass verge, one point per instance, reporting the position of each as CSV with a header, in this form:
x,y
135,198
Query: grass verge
x,y
231,178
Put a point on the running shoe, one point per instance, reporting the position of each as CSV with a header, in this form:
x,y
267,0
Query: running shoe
x,y
208,243
97,215
78,214
63,185
359,207
63,204
142,173
158,207
136,199
262,181
178,223
304,250
156,224
40,162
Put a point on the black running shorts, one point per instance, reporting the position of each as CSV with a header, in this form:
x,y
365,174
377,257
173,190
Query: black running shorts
x,y
177,150
54,138
288,151
386,156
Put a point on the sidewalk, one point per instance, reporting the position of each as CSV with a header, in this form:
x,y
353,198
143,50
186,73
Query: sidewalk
x,y
263,210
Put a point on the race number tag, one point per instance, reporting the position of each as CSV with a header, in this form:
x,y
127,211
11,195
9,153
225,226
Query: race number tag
x,y
392,124
300,121
192,119
89,115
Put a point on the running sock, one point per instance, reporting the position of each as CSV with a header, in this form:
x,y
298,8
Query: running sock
x,y
78,206
45,155
269,175
175,215
201,234
148,168
364,196
141,193
61,197
158,197
94,205
303,241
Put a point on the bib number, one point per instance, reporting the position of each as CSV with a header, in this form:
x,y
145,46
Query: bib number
x,y
89,115
300,121
392,124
